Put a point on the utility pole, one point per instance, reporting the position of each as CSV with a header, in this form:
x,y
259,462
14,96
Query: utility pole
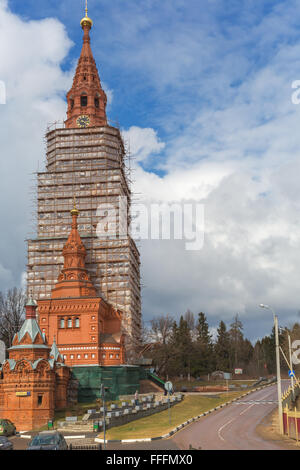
x,y
291,365
102,392
278,374
280,415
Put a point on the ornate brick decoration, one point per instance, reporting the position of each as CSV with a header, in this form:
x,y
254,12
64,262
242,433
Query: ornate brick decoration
x,y
87,328
86,97
34,380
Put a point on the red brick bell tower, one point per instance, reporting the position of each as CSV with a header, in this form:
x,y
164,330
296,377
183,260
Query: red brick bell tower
x,y
86,99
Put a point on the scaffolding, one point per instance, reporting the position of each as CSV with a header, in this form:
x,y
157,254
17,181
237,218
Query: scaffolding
x,y
89,164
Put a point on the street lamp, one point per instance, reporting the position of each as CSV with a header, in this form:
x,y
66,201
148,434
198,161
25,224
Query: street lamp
x,y
291,365
102,393
277,366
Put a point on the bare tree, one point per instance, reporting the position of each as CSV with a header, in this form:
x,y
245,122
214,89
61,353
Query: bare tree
x,y
11,314
161,328
190,320
159,335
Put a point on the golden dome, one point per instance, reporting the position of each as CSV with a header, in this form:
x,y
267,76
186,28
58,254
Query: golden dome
x,y
74,211
86,21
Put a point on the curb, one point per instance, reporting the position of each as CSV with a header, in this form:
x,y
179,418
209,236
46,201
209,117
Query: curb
x,y
27,436
186,423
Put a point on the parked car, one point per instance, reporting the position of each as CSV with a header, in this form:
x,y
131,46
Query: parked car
x,y
5,444
48,440
7,428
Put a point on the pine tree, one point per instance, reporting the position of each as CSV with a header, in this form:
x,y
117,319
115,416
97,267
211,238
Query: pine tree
x,y
236,339
222,348
183,350
205,361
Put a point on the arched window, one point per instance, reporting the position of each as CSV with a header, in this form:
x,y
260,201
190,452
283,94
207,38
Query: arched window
x,y
77,323
71,103
62,322
69,322
83,100
97,102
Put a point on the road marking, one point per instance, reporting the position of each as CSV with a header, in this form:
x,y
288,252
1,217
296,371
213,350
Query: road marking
x,y
256,402
222,427
233,419
244,411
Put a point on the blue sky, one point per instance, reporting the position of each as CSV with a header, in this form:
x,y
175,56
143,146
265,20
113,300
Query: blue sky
x,y
202,90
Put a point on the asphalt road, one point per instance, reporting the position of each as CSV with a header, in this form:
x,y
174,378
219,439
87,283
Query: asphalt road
x,y
230,428
233,427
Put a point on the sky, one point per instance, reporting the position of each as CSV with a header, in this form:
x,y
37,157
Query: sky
x,y
202,91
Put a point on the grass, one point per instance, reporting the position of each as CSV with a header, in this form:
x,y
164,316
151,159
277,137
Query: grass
x,y
189,385
158,424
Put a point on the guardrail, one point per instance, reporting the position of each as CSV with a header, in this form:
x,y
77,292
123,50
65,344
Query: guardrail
x,y
156,380
291,416
290,395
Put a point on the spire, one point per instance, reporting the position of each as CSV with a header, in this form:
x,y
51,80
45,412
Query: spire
x,y
54,353
30,308
86,19
30,333
74,280
86,99
74,251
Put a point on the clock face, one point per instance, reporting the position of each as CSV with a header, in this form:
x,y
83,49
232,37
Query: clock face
x,y
83,121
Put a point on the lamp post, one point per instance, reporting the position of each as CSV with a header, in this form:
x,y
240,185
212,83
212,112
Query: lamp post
x,y
102,393
277,367
291,365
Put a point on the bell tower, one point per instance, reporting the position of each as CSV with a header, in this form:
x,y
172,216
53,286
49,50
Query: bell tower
x,y
86,99
86,157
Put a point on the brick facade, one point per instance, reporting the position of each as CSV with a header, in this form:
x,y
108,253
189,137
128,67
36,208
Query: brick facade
x,y
34,380
87,329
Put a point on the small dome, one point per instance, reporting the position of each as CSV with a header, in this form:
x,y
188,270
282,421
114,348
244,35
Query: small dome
x,y
86,21
30,302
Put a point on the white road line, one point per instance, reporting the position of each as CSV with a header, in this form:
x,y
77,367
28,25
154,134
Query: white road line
x,y
244,411
233,419
222,427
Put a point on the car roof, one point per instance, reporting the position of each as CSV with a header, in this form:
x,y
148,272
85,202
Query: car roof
x,y
49,432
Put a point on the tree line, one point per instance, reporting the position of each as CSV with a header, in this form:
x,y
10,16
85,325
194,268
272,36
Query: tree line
x,y
187,347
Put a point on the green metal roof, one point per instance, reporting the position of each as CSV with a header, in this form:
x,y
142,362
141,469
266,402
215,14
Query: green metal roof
x,y
31,327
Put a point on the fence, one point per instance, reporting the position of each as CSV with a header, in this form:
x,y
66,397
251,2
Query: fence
x,y
291,416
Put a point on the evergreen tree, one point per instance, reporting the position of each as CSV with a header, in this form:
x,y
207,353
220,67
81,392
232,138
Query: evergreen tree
x,y
205,361
222,348
236,339
182,347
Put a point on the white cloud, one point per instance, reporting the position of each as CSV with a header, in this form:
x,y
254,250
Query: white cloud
x,y
143,142
233,148
31,53
242,162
